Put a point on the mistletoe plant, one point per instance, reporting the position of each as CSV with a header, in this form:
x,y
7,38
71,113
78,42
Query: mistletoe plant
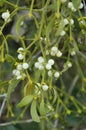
x,y
42,60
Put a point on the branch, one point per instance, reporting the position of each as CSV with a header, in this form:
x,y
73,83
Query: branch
x,y
16,122
22,121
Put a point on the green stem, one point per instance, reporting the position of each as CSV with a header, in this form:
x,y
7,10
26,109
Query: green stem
x,y
42,23
31,8
58,8
43,124
9,3
6,44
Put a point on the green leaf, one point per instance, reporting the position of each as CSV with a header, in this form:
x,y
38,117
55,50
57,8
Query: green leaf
x,y
25,101
60,28
12,85
18,27
9,58
55,96
37,74
49,27
34,113
42,108
76,3
3,84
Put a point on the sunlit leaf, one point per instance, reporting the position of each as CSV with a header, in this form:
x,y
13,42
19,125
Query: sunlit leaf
x,y
29,88
25,101
34,113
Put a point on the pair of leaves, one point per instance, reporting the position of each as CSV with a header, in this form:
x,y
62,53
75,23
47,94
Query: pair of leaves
x,y
34,114
26,101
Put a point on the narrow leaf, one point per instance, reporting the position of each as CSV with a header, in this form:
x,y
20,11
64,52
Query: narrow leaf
x,y
55,96
12,85
49,27
29,88
76,3
42,108
18,27
34,113
60,28
25,101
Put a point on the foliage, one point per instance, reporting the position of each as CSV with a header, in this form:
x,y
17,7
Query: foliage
x,y
42,64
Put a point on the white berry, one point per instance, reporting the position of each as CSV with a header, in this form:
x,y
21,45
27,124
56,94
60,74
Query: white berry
x,y
20,56
69,64
71,21
45,87
6,15
48,66
19,67
25,65
20,49
59,53
66,21
37,64
18,77
63,33
51,62
16,72
56,74
81,6
41,59
70,5
53,51
49,73
41,67
73,53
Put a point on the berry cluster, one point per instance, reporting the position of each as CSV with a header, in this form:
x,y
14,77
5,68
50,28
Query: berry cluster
x,y
20,67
